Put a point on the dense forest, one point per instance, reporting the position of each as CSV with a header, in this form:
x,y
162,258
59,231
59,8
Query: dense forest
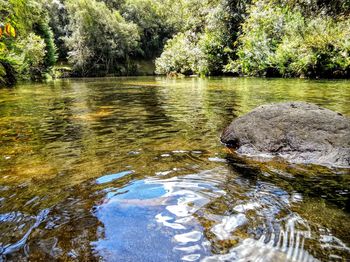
x,y
286,38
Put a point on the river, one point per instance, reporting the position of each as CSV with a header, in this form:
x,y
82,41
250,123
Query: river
x,y
132,169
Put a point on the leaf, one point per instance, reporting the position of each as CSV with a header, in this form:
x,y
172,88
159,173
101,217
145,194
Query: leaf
x,y
8,29
2,47
0,32
13,32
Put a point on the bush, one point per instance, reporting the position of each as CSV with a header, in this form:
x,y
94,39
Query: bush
x,y
24,54
182,55
262,31
280,41
204,48
33,53
322,50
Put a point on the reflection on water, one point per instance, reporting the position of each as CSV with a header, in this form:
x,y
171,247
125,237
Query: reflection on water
x,y
131,169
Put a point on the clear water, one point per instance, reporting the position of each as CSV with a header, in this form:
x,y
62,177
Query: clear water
x,y
131,169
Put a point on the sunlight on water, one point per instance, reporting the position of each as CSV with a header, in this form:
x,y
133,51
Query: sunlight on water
x,y
132,169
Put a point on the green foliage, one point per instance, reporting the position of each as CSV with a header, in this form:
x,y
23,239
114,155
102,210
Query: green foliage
x,y
155,21
33,56
101,40
280,41
217,42
58,22
207,37
25,13
262,31
195,13
322,49
114,4
30,52
44,31
310,8
181,55
207,45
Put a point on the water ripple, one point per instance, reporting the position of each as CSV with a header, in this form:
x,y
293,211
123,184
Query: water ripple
x,y
13,217
258,224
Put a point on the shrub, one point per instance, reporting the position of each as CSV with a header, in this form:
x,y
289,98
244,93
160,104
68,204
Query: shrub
x,y
280,41
33,53
321,50
182,55
207,43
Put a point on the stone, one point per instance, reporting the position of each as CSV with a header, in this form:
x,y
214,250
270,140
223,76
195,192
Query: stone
x,y
296,131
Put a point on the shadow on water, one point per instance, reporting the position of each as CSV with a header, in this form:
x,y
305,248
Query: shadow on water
x,y
332,185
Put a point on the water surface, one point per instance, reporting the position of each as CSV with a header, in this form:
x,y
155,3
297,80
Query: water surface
x,y
131,169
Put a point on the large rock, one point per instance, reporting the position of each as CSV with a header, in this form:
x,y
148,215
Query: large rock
x,y
297,131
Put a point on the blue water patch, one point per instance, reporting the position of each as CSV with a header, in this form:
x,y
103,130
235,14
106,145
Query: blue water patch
x,y
112,177
130,231
138,190
132,234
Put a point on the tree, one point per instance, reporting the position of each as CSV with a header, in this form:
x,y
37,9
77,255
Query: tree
x,y
211,28
154,23
58,22
101,41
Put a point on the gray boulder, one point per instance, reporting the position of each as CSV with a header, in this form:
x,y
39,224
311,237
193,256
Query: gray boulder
x,y
297,131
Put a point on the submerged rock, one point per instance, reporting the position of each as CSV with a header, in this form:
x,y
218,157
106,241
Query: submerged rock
x,y
299,132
